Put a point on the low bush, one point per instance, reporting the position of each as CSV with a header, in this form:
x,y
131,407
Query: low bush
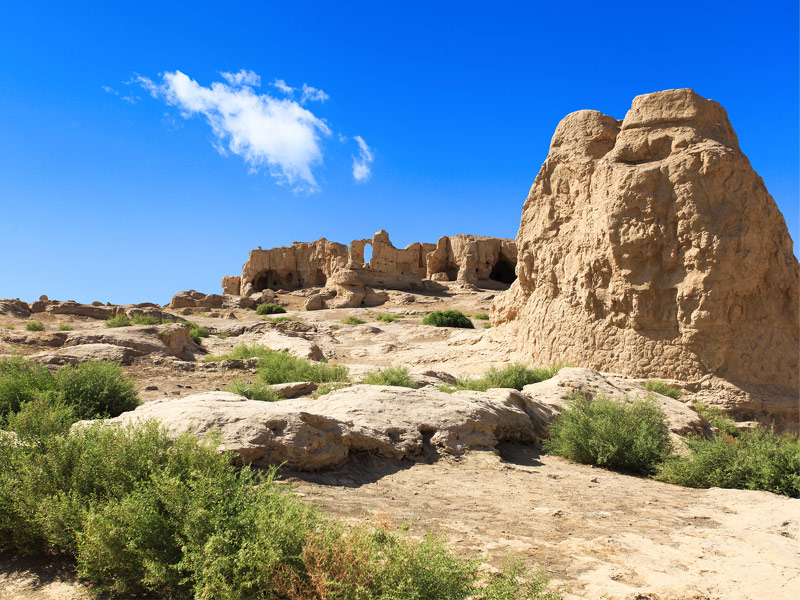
x,y
396,376
353,321
448,318
757,460
95,388
481,316
327,388
223,334
118,320
725,425
388,318
144,514
282,367
21,381
278,319
196,332
487,326
616,434
515,375
254,391
663,388
145,320
241,352
270,309
65,327
9,326
34,326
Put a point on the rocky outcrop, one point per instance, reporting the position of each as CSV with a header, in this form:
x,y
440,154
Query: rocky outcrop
x,y
14,307
310,435
650,247
172,339
77,354
195,299
464,258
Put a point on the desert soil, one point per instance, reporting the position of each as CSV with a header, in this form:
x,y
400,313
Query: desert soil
x,y
596,533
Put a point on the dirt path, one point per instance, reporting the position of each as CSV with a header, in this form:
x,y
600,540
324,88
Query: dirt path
x,y
601,534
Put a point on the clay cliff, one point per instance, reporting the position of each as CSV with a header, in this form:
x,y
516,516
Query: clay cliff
x,y
650,247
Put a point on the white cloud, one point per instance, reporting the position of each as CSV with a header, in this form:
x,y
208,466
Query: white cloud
x,y
130,98
281,85
278,133
361,163
242,78
311,94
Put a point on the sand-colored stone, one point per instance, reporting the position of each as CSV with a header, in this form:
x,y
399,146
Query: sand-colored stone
x,y
650,247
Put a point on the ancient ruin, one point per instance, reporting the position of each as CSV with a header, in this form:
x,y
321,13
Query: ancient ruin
x,y
650,247
468,259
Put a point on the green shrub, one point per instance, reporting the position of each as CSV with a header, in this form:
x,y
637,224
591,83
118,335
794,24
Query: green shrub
x,y
270,309
481,316
616,434
242,352
757,460
388,318
95,388
21,381
147,515
353,321
34,326
327,388
515,375
715,416
118,320
278,319
396,376
663,388
197,331
9,326
448,318
43,416
254,391
65,327
223,334
145,320
487,326
282,367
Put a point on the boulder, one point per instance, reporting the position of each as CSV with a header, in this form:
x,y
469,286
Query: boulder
x,y
77,354
14,307
310,435
195,299
650,247
295,389
70,307
172,339
553,393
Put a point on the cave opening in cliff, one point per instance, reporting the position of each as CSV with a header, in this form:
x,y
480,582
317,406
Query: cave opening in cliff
x,y
503,271
319,278
267,280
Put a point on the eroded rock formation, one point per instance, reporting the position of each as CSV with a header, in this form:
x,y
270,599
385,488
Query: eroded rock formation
x,y
463,258
650,247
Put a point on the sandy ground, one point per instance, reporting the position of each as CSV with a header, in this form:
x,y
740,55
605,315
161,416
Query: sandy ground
x,y
598,534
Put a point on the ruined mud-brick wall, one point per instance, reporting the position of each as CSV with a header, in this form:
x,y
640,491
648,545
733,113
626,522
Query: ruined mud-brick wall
x,y
465,258
650,247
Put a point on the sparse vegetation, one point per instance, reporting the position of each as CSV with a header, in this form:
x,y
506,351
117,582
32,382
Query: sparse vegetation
x,y
145,320
715,416
663,388
34,326
172,518
118,320
9,326
487,326
327,388
278,319
396,376
616,434
282,367
755,460
448,318
270,308
254,391
388,317
92,388
353,321
481,316
223,334
242,352
65,327
515,375
196,332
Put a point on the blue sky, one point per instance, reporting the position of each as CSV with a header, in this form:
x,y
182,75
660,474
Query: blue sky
x,y
109,193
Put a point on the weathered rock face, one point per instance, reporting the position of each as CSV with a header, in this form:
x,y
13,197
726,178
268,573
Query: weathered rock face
x,y
650,247
465,258
318,434
195,299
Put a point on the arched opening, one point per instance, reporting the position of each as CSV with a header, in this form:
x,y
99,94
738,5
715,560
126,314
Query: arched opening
x,y
319,278
503,271
452,273
267,279
367,253
289,279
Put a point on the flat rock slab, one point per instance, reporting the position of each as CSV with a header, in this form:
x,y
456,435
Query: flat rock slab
x,y
171,339
77,354
310,435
